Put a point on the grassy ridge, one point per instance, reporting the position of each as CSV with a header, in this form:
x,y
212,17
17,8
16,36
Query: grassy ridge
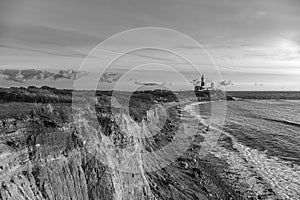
x,y
44,94
18,102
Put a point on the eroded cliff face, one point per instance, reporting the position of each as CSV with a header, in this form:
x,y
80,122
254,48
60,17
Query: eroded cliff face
x,y
102,156
70,162
37,162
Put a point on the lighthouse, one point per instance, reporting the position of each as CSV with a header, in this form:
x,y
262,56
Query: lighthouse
x,y
202,85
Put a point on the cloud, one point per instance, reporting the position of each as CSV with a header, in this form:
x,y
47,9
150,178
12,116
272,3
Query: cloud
x,y
138,82
198,81
109,77
22,76
48,40
258,84
69,74
75,54
225,83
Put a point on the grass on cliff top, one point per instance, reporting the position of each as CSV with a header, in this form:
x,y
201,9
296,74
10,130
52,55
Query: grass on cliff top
x,y
15,110
15,103
20,110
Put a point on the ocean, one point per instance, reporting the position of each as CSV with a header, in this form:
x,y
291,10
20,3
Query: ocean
x,y
260,142
269,126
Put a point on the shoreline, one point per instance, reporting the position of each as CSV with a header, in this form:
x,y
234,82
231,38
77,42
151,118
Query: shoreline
x,y
248,170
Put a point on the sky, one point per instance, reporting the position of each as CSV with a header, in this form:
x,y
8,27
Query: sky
x,y
253,45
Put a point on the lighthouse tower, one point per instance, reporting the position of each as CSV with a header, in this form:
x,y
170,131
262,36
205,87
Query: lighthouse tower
x,y
202,86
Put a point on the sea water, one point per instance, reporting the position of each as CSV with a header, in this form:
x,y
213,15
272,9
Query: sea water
x,y
265,137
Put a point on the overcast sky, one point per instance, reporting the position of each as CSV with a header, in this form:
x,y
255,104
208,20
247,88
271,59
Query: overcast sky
x,y
255,44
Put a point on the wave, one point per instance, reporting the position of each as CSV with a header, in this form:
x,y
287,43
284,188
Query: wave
x,y
255,173
287,122
248,113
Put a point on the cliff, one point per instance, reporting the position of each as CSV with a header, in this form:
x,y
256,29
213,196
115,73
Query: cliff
x,y
100,158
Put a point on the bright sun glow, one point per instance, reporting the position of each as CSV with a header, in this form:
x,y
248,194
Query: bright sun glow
x,y
287,49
